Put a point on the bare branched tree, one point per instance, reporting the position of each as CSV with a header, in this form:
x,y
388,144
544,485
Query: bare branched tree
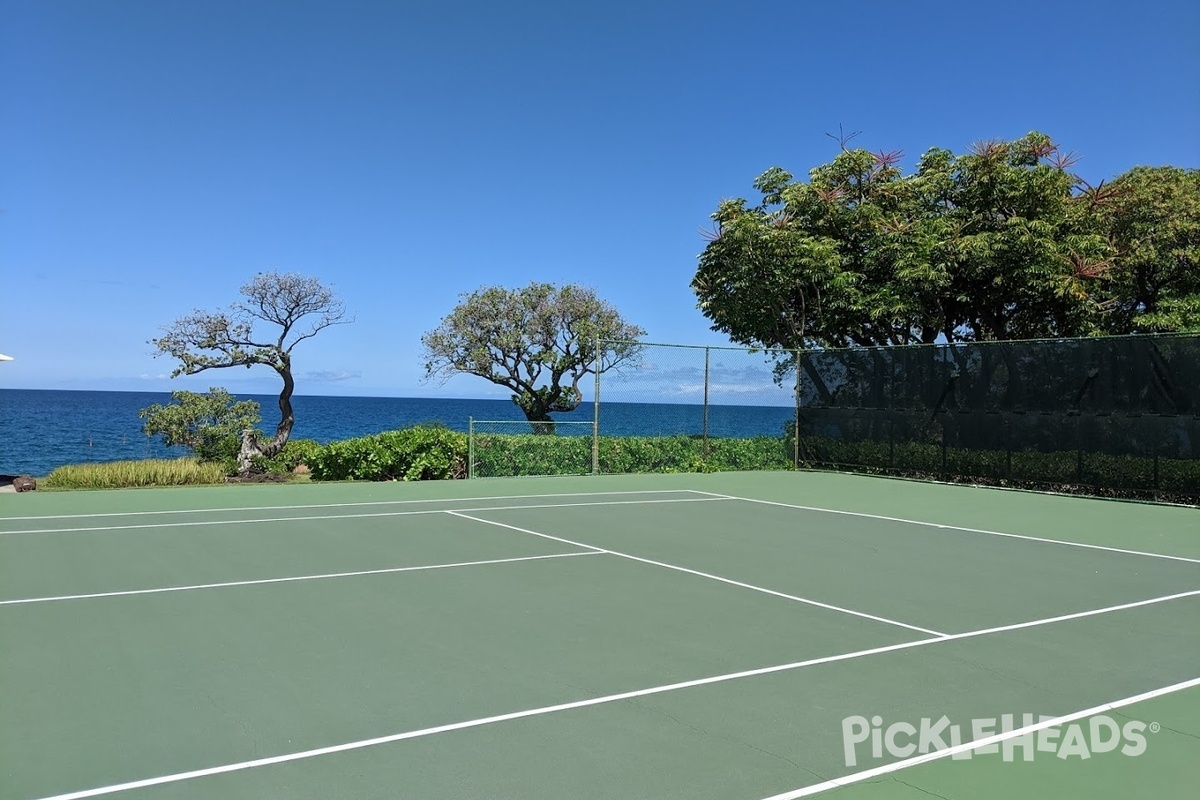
x,y
300,307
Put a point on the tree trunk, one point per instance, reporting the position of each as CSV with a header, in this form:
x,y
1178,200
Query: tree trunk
x,y
537,410
251,447
286,416
542,423
249,451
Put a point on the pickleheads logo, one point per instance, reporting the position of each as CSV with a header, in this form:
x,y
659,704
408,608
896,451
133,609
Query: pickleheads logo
x,y
1099,734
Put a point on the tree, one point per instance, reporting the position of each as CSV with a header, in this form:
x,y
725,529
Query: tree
x,y
540,341
997,243
1152,218
210,424
300,307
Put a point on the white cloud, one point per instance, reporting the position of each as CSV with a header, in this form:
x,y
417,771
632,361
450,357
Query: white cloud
x,y
330,376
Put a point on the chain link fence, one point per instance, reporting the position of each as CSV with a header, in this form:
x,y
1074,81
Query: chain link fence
x,y
716,407
1114,416
499,448
670,408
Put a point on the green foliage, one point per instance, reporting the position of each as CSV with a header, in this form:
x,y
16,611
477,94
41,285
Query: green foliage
x,y
410,454
210,424
996,243
502,455
294,453
539,341
129,474
438,453
505,455
1152,215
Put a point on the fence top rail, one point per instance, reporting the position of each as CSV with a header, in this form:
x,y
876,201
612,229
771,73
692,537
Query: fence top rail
x,y
1065,340
780,350
915,345
531,422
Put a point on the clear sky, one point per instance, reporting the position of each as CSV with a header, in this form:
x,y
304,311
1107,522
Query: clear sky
x,y
155,155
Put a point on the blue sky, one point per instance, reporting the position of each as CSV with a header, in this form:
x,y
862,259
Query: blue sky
x,y
155,155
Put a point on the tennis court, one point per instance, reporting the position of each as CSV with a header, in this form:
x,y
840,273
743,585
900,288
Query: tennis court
x,y
736,636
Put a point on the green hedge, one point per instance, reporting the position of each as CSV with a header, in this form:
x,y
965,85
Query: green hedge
x,y
411,454
431,453
505,455
294,453
620,454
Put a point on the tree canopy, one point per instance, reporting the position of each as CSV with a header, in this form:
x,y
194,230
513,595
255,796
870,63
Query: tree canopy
x,y
539,341
1001,242
203,422
293,307
1152,217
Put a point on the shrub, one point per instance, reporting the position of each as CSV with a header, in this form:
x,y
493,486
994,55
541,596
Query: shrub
x,y
127,474
502,455
505,455
408,455
294,453
207,423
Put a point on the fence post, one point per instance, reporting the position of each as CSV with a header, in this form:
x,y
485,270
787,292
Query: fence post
x,y
470,448
796,421
596,364
1078,449
707,351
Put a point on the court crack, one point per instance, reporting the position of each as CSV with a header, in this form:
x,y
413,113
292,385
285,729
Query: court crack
x,y
1181,733
241,723
919,789
732,739
1162,727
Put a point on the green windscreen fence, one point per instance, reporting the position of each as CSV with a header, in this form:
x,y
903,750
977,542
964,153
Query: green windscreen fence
x,y
1120,415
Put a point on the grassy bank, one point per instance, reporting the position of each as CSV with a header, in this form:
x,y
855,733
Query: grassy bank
x,y
131,474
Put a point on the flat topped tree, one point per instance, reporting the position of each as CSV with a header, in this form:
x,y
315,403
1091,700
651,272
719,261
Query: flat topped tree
x,y
540,341
294,308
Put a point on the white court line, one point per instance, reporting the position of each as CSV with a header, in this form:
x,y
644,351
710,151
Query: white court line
x,y
710,576
1063,542
857,777
289,579
350,505
376,514
594,701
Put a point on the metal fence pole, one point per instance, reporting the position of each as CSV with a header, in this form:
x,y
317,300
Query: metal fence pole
x,y
796,421
707,352
470,447
596,365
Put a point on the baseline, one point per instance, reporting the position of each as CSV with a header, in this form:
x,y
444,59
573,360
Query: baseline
x,y
374,515
1054,722
288,579
351,505
594,701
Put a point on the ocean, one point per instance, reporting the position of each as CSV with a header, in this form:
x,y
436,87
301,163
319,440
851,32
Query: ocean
x,y
44,429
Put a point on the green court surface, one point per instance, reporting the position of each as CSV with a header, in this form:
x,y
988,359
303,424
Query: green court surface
x,y
749,636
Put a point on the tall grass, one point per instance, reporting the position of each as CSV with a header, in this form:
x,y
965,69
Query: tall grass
x,y
125,474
